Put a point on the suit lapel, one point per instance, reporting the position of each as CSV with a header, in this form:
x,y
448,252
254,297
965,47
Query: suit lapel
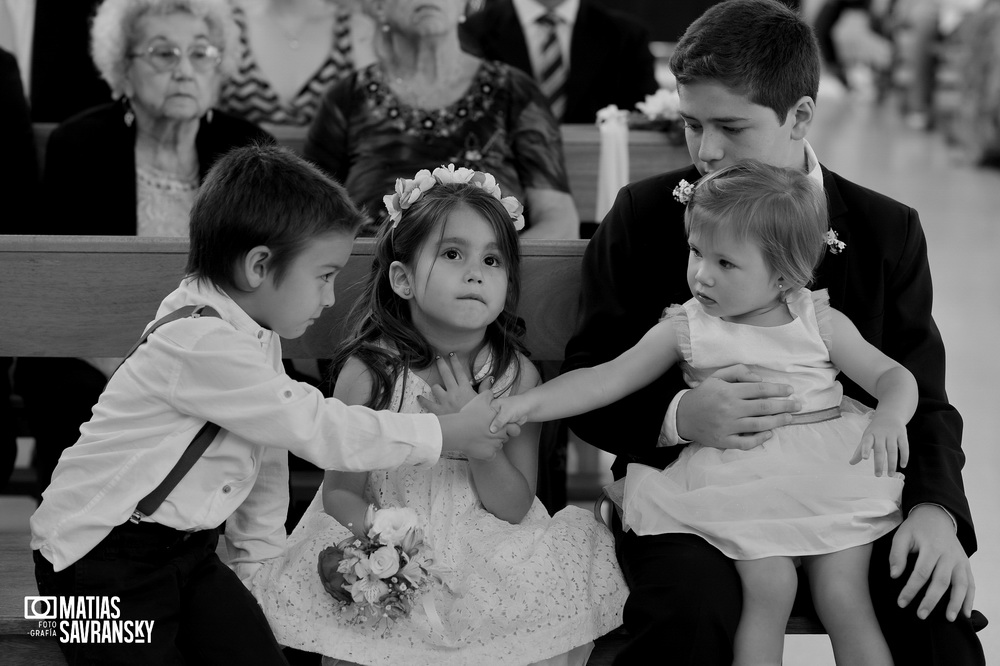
x,y
832,271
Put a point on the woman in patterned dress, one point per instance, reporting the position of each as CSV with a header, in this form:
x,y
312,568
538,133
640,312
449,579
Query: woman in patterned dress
x,y
425,102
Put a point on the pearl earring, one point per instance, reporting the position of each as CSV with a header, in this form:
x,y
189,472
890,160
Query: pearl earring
x,y
406,291
129,113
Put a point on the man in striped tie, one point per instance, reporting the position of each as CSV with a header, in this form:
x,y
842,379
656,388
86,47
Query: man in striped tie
x,y
583,55
551,68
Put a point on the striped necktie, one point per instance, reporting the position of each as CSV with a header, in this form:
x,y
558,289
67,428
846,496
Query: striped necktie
x,y
552,72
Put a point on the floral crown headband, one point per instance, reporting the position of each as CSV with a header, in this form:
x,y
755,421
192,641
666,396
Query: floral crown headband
x,y
685,190
408,191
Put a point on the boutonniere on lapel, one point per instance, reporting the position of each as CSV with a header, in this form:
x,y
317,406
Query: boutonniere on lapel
x,y
683,191
833,244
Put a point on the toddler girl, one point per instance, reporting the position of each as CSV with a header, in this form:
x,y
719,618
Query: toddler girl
x,y
812,491
438,311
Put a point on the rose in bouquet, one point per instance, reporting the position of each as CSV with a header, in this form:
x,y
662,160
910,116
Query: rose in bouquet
x,y
376,578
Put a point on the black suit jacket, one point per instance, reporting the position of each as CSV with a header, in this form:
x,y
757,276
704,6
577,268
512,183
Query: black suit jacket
x,y
64,80
89,179
636,265
610,60
18,164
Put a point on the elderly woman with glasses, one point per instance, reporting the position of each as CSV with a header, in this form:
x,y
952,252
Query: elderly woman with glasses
x,y
132,167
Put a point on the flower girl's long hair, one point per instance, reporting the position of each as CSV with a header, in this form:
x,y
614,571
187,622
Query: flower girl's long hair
x,y
382,335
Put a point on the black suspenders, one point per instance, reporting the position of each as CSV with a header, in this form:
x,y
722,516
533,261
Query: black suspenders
x,y
151,502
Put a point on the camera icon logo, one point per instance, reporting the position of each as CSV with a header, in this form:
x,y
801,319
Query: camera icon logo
x,y
40,608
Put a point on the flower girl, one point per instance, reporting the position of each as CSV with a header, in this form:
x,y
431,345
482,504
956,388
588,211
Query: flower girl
x,y
813,491
435,325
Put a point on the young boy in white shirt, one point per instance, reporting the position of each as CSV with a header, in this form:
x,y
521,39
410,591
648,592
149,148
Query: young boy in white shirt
x,y
269,234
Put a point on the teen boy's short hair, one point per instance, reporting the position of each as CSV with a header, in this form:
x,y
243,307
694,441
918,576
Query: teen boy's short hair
x,y
760,49
263,195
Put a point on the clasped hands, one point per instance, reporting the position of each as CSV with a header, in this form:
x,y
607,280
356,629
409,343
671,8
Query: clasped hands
x,y
465,414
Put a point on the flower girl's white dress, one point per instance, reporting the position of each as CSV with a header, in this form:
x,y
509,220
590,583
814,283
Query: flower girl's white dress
x,y
537,592
795,494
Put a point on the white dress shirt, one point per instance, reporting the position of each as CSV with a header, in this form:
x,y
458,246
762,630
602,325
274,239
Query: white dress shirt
x,y
227,371
528,13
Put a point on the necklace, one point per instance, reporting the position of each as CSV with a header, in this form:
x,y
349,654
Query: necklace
x,y
294,38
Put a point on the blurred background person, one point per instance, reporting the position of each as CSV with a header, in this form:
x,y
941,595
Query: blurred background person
x,y
18,182
50,39
18,162
291,51
132,166
425,103
583,55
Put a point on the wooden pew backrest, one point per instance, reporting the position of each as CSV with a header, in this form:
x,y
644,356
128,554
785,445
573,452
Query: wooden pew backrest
x,y
91,296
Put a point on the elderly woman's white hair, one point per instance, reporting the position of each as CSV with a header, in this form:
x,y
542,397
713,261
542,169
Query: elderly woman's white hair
x,y
113,33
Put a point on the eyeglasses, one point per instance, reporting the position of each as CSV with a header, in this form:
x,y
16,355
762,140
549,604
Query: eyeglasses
x,y
166,58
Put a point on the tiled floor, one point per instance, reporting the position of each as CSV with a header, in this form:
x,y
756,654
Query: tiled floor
x,y
960,209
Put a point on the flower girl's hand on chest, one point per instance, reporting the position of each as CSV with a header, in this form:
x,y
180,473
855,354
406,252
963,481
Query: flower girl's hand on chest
x,y
455,390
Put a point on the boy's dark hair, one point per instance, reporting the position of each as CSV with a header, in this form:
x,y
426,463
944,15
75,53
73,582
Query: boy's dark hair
x,y
760,49
263,195
382,335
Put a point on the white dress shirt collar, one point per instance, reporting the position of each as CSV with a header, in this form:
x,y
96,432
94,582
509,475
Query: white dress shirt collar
x,y
812,164
529,11
202,292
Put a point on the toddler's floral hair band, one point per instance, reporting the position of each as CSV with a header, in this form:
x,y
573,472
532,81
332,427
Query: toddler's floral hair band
x,y
409,191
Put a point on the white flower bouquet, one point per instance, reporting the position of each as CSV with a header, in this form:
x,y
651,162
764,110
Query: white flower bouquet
x,y
376,578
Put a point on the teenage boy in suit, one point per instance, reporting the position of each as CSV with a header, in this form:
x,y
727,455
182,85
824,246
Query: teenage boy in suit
x,y
748,73
609,61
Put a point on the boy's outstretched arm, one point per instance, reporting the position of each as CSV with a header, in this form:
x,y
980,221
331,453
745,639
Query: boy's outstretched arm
x,y
586,389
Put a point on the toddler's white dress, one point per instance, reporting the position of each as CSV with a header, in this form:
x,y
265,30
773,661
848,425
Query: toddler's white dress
x,y
539,590
794,495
